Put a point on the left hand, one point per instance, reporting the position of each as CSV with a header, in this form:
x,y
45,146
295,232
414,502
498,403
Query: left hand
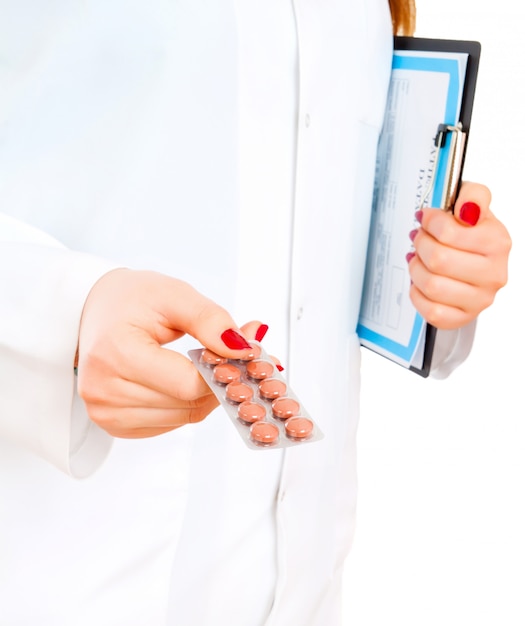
x,y
460,261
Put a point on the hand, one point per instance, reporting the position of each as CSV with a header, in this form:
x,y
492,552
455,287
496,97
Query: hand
x,y
131,385
459,261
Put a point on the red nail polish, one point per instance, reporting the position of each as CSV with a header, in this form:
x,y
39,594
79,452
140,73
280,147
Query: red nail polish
x,y
410,256
419,216
412,234
234,340
279,367
261,332
470,213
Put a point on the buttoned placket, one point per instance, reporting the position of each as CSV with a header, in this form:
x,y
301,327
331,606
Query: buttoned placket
x,y
296,310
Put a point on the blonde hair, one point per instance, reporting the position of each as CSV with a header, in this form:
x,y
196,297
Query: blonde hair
x,y
403,16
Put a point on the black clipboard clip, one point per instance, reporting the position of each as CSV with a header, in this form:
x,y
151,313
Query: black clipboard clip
x,y
458,141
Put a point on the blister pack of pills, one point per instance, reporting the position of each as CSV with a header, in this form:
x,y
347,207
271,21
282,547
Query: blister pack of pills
x,y
257,398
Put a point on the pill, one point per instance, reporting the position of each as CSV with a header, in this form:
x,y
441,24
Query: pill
x,y
272,388
264,433
298,427
258,370
257,398
210,358
226,373
250,412
284,408
239,392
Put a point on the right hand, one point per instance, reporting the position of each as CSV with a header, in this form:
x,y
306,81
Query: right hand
x,y
131,385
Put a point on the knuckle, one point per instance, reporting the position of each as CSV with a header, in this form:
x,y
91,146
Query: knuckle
x,y
500,244
90,390
439,316
103,418
479,192
201,409
489,299
497,281
431,287
196,415
435,315
190,390
209,310
437,260
443,228
487,193
450,233
506,245
480,301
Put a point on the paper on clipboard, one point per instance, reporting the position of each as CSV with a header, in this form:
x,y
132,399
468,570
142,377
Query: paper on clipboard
x,y
426,98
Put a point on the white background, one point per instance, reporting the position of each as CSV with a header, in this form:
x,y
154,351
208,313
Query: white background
x,y
441,516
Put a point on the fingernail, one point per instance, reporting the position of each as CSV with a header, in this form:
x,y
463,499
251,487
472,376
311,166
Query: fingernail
x,y
419,216
261,332
410,256
279,367
470,213
412,234
233,340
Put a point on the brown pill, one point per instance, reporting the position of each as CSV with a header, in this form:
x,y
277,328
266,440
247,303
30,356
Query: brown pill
x,y
283,408
251,412
210,358
299,427
272,388
264,433
239,392
258,370
254,353
226,373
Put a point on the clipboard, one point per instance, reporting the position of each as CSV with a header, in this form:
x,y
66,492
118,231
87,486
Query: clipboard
x,y
420,160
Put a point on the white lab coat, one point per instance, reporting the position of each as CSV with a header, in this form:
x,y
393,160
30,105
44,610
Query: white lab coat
x,y
184,137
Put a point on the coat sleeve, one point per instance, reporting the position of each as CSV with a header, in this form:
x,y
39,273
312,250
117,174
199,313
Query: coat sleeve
x,y
452,347
43,288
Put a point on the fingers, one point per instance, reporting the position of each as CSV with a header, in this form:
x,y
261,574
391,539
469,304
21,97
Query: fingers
x,y
140,406
130,383
445,259
147,365
191,312
438,314
474,254
460,261
138,422
446,302
171,373
456,233
254,330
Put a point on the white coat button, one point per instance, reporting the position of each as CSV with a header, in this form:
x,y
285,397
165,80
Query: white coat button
x,y
299,312
307,120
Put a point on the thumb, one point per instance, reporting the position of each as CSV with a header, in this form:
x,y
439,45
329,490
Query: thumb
x,y
192,313
472,204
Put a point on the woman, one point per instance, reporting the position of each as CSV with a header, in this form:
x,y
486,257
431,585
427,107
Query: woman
x,y
231,145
